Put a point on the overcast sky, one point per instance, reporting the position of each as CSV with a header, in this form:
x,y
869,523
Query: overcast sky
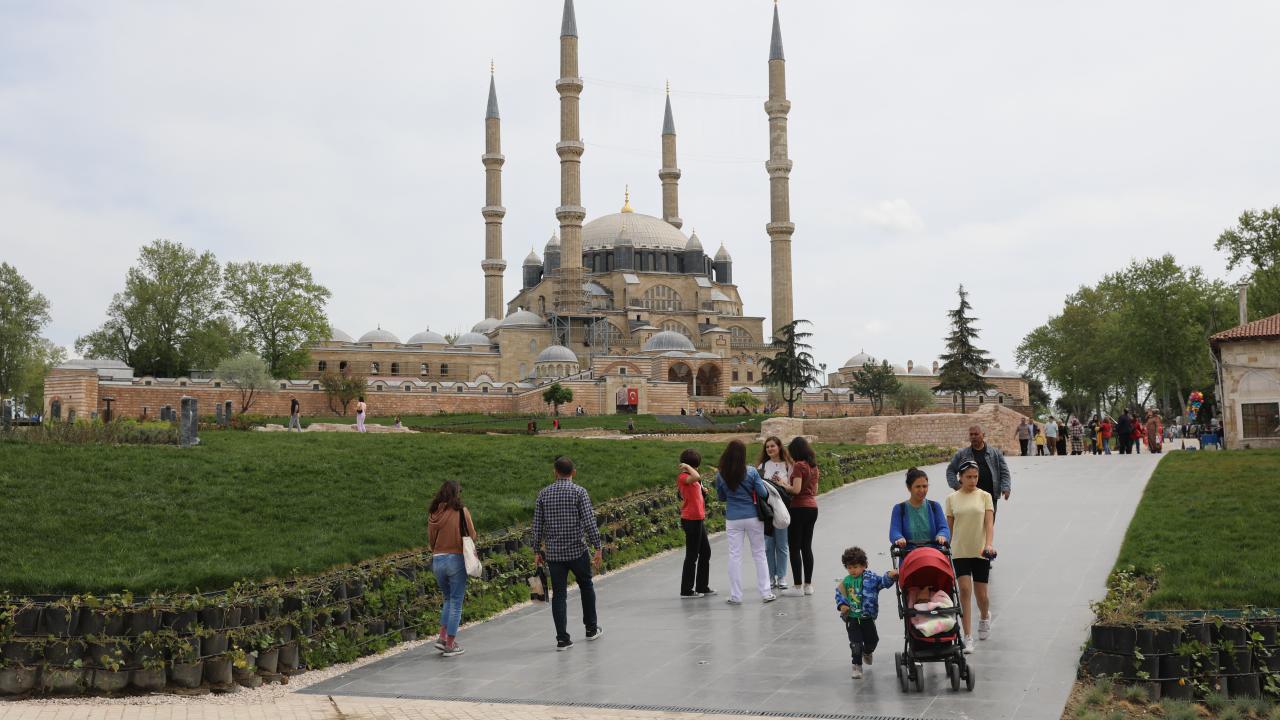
x,y
1020,148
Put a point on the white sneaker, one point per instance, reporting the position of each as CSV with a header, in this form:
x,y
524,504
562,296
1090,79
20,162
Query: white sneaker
x,y
808,589
984,628
857,673
782,584
770,598
968,644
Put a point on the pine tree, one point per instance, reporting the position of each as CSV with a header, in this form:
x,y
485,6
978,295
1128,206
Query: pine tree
x,y
791,369
963,364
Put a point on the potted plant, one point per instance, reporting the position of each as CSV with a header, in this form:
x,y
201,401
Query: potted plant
x,y
217,670
109,675
71,680
150,676
147,616
212,642
19,613
16,679
183,612
268,654
63,651
185,667
242,668
213,611
62,616
287,657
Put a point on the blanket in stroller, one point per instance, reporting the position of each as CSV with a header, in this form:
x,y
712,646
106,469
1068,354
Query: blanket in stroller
x,y
930,625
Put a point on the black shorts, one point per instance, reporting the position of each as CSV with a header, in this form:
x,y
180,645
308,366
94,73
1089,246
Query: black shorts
x,y
979,568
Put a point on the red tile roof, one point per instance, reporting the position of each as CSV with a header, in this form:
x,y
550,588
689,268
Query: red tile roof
x,y
1267,327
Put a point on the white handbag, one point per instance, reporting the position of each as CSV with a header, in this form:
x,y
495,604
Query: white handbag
x,y
470,557
781,515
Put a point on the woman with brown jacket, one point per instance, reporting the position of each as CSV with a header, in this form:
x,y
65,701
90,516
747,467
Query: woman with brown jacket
x,y
447,521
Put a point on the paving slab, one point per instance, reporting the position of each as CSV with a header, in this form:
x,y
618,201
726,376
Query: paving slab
x,y
1058,537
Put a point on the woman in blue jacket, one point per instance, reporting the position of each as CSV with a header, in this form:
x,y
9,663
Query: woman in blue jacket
x,y
918,521
740,487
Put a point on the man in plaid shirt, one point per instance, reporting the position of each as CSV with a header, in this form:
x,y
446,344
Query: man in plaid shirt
x,y
561,519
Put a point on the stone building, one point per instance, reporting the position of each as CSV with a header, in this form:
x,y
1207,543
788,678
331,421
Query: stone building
x,y
1247,360
1009,386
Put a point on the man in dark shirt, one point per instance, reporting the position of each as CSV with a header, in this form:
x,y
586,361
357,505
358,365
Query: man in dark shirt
x,y
562,518
993,471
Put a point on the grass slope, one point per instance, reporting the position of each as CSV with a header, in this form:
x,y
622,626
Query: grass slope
x,y
244,504
1209,520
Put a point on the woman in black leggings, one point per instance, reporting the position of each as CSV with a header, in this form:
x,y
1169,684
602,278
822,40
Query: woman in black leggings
x,y
804,513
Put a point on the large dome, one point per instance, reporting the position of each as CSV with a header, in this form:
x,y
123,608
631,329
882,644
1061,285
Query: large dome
x,y
484,326
668,340
379,335
858,360
522,318
426,337
645,231
337,335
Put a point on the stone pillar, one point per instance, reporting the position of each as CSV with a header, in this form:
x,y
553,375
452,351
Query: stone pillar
x,y
780,227
493,211
570,297
226,412
188,427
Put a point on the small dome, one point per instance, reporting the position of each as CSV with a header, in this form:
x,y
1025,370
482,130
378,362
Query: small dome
x,y
471,339
557,353
336,335
921,370
533,258
553,244
899,370
858,360
426,337
485,326
722,255
522,318
379,336
694,243
668,340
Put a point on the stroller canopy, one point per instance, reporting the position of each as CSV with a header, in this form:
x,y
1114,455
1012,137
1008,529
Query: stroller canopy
x,y
926,567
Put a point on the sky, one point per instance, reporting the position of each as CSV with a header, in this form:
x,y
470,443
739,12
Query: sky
x,y
1022,149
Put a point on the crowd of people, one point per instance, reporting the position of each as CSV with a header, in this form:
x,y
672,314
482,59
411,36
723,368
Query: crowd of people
x,y
784,482
1099,436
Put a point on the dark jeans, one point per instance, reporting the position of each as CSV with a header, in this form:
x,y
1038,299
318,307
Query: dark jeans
x,y
1022,443
800,537
697,557
559,572
863,638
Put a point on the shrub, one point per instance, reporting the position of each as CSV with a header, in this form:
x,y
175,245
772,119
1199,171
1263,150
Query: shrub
x,y
87,432
247,422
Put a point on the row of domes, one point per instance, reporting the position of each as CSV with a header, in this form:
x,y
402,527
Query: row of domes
x,y
862,358
517,319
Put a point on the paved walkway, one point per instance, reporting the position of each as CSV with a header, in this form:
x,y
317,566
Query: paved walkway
x,y
1057,536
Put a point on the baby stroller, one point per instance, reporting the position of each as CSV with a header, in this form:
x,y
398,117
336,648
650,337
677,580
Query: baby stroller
x,y
930,566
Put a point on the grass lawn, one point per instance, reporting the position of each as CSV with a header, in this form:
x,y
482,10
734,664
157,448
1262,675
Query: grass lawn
x,y
1211,521
568,421
256,505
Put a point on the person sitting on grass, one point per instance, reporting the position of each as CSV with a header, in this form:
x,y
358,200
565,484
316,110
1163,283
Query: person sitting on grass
x,y
857,599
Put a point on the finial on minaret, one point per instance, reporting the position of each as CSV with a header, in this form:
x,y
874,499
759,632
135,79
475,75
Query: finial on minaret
x,y
668,122
775,45
626,202
569,24
492,111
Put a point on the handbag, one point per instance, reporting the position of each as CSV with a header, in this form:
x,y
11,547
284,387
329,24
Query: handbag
x,y
781,516
470,558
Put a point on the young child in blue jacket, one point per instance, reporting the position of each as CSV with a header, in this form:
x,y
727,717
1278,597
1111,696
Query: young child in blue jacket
x,y
857,599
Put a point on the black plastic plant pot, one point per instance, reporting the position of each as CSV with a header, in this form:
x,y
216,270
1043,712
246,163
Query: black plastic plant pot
x,y
179,621
63,653
217,671
1244,685
339,590
1150,687
342,616
355,589
1167,640
1237,635
1114,638
17,680
235,616
186,675
1147,667
376,627
110,681
103,653
145,651
152,680
286,632
287,658
1266,628
61,621
1175,666
1146,641
213,644
22,652
267,660
1272,663
62,681
1198,632
1108,664
141,621
321,621
92,622
26,620
292,604
213,618
408,634
1236,661
304,626
1177,689
114,625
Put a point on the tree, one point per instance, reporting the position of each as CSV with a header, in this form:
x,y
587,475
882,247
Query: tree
x,y
23,312
342,389
745,400
45,355
910,398
1038,396
169,319
557,395
963,364
1256,240
875,382
791,368
246,372
282,310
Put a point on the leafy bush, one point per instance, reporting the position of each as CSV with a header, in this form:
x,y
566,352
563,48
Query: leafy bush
x,y
247,422
87,432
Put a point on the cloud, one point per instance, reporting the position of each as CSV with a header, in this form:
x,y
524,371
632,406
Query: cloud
x,y
896,216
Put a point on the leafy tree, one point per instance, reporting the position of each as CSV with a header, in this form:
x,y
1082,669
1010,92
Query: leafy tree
x,y
963,363
910,398
248,373
45,355
748,402
1039,397
170,316
282,309
791,369
557,395
875,382
342,389
1256,240
23,312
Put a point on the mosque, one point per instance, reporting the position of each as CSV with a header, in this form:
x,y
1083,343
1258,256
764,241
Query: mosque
x,y
623,294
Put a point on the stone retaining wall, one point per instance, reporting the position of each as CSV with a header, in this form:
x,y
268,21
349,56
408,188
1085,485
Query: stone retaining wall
x,y
944,429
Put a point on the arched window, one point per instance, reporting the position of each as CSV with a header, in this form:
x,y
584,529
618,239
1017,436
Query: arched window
x,y
395,368
675,326
322,365
661,297
342,365
423,369
739,337
373,368
612,334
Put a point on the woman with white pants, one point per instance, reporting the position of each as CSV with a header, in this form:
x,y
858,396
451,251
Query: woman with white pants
x,y
740,487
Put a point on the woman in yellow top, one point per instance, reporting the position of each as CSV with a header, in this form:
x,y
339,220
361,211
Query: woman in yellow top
x,y
971,517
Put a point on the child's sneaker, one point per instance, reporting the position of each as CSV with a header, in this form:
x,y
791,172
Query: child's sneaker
x,y
866,658
857,672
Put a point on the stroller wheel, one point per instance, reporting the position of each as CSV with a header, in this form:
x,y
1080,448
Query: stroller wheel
x,y
902,671
918,677
953,674
969,679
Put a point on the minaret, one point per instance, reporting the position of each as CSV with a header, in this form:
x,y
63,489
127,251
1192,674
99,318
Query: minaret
x,y
780,226
570,298
493,264
670,174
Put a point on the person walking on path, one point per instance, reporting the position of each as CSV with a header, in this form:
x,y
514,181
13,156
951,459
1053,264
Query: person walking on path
x,y
1051,435
739,486
693,520
971,515
295,415
1105,429
360,410
1124,432
857,600
1155,439
918,520
993,471
564,526
1023,434
804,511
1077,436
1062,438
447,521
1041,442
775,466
